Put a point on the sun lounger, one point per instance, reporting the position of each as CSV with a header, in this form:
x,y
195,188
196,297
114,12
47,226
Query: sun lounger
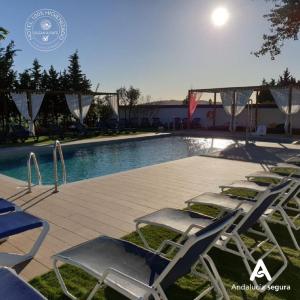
x,y
225,202
185,222
138,273
295,160
246,185
222,201
276,174
13,287
16,223
7,206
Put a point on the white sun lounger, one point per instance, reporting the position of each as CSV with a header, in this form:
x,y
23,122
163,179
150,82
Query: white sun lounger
x,y
138,273
225,202
185,222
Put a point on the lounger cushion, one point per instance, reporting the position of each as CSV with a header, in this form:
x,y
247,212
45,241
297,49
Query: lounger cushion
x,y
288,166
244,184
17,222
176,220
294,160
6,206
221,200
12,287
225,202
265,174
98,255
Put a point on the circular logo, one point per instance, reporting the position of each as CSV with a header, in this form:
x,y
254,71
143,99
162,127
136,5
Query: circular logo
x,y
46,29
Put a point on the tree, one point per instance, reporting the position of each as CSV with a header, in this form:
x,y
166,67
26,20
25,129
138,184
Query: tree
x,y
129,98
284,21
54,105
7,81
3,33
7,74
77,80
285,79
36,75
64,80
24,82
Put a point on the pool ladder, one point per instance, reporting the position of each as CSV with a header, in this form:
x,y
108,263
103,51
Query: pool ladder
x,y
58,148
31,157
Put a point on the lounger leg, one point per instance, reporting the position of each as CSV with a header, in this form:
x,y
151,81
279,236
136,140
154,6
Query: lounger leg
x,y
290,230
288,223
210,276
160,294
273,239
94,290
243,250
39,240
217,276
138,230
61,281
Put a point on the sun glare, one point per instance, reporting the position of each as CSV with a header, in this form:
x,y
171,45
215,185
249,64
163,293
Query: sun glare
x,y
220,16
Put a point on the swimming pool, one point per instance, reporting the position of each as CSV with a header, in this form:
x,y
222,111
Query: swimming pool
x,y
87,161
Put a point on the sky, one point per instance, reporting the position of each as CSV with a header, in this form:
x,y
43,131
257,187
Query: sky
x,y
162,47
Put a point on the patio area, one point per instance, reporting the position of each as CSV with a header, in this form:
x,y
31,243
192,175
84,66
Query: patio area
x,y
108,205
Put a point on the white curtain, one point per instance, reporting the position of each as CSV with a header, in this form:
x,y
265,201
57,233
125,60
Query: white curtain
x,y
36,102
281,97
241,100
295,101
86,101
227,101
113,102
20,100
73,104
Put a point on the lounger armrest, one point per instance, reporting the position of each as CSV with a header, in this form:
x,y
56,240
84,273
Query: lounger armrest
x,y
192,226
112,271
167,243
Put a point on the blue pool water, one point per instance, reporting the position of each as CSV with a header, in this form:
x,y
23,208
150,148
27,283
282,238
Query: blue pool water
x,y
87,161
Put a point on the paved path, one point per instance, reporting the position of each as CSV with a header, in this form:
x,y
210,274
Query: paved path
x,y
108,205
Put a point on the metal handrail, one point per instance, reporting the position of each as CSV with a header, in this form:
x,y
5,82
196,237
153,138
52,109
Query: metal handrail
x,y
57,147
32,156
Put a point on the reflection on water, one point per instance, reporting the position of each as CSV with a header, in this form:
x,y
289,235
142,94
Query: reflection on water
x,y
86,161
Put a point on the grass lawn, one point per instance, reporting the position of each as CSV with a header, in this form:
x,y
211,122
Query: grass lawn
x,y
46,140
231,269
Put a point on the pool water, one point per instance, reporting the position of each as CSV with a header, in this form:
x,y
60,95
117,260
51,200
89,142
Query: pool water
x,y
87,161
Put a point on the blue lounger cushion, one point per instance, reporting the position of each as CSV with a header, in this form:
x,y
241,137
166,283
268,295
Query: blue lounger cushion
x,y
17,222
6,206
12,287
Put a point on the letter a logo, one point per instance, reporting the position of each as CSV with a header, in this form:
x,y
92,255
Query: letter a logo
x,y
260,271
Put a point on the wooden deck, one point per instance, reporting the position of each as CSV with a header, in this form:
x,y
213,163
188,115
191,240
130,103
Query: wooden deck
x,y
108,205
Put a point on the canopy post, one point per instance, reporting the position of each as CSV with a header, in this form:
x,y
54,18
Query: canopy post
x,y
31,124
232,129
188,110
290,128
215,109
118,104
80,108
256,110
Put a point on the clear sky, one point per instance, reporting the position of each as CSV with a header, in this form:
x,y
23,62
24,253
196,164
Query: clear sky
x,y
163,47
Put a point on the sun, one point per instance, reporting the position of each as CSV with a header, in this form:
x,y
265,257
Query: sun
x,y
220,16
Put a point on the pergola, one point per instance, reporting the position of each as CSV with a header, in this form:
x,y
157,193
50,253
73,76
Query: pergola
x,y
249,104
78,101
